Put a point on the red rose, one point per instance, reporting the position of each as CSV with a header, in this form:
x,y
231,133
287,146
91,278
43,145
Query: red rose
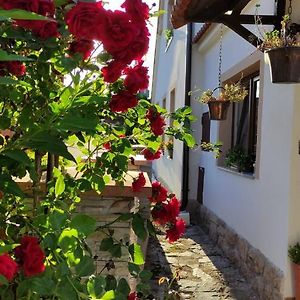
x,y
137,78
46,8
122,101
176,231
138,10
118,32
30,256
159,193
149,155
44,29
160,214
8,267
138,47
157,122
107,146
138,183
84,47
173,209
16,68
86,20
3,68
21,4
113,71
42,7
132,296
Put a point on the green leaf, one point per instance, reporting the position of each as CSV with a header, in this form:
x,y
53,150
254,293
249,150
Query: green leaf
x,y
7,248
86,267
57,219
134,269
3,280
60,2
110,295
151,228
106,244
19,156
138,226
123,287
44,141
10,81
68,240
189,139
84,224
145,275
116,250
60,185
4,56
96,286
7,185
136,254
19,14
78,123
43,286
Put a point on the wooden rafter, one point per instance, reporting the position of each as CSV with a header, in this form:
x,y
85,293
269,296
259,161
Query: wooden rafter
x,y
215,11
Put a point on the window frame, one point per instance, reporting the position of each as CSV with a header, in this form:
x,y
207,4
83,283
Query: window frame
x,y
250,65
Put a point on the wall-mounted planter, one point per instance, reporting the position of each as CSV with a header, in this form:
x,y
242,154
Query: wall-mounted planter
x,y
285,64
218,109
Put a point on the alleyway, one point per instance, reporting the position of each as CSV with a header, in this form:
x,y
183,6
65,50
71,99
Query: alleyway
x,y
204,273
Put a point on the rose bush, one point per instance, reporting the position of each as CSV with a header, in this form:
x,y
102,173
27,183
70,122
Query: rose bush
x,y
71,73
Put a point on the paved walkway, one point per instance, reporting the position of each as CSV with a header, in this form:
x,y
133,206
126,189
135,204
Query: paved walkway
x,y
204,273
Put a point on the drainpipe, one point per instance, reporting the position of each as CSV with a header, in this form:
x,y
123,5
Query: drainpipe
x,y
187,102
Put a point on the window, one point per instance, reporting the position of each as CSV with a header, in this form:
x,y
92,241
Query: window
x,y
244,117
244,120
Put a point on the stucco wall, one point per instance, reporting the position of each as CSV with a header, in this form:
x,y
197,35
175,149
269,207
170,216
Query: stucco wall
x,y
169,73
264,209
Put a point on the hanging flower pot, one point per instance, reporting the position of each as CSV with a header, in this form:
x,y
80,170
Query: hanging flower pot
x,y
218,109
218,106
283,49
285,64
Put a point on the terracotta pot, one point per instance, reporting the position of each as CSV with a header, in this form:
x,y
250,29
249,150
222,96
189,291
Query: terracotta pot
x,y
296,271
285,64
218,109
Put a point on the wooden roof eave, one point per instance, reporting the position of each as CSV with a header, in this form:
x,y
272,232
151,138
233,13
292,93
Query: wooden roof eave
x,y
214,11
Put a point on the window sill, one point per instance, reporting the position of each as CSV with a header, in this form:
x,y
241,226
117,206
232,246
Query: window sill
x,y
245,175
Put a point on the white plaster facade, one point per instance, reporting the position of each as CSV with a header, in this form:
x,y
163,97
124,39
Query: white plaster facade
x,y
263,208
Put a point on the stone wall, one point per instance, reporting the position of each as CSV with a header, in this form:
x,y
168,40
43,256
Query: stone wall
x,y
265,278
105,210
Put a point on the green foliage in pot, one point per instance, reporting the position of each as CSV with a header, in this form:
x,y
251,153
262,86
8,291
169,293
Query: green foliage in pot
x,y
233,92
288,36
294,253
238,158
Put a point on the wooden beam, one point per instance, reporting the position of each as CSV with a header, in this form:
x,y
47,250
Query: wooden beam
x,y
241,19
281,5
244,33
237,9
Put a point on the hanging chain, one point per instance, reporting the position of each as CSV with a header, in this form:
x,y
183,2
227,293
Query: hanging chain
x,y
220,53
290,8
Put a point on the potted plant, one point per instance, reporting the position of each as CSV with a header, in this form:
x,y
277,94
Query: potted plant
x,y
237,159
283,49
218,106
294,255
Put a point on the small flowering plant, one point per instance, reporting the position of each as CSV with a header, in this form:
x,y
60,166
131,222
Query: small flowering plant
x,y
288,36
233,92
72,74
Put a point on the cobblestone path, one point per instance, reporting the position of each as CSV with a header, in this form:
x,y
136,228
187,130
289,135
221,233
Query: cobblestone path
x,y
204,273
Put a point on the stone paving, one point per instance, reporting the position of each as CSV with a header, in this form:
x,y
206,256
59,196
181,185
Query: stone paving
x,y
204,272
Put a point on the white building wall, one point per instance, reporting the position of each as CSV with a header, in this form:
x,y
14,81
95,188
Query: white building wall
x,y
169,73
264,210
